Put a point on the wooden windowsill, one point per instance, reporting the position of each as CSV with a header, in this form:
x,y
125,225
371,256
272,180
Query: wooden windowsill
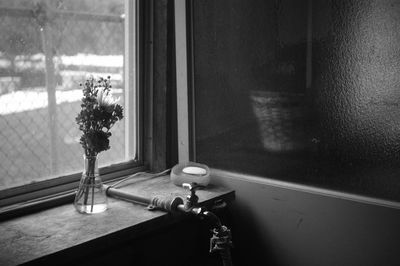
x,y
62,232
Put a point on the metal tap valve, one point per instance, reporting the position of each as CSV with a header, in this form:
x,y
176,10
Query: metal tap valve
x,y
192,199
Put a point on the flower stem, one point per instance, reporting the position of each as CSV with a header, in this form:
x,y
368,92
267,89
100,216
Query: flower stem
x,y
93,184
86,189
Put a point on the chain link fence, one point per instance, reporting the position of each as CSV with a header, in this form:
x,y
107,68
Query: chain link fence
x,y
44,56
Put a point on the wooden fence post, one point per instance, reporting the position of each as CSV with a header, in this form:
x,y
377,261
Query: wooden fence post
x,y
47,43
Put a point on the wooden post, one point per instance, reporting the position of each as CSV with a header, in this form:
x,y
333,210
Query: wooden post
x,y
47,43
182,80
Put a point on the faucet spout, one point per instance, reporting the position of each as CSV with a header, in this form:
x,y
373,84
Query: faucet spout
x,y
212,218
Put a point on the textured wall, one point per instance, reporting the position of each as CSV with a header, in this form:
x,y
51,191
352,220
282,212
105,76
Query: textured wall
x,y
356,53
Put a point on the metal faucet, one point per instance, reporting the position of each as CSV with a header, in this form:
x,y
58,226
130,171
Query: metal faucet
x,y
192,199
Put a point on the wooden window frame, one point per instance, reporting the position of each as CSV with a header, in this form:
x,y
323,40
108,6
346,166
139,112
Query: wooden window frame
x,y
183,81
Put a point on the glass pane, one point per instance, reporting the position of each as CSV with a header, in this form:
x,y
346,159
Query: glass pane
x,y
250,86
300,91
47,48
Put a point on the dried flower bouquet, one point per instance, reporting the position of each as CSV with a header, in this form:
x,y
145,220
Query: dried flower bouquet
x,y
99,112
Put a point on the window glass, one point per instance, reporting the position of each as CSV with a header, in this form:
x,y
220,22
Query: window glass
x,y
47,48
300,91
250,86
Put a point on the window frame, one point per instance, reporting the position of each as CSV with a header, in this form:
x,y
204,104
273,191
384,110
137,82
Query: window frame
x,y
182,82
58,190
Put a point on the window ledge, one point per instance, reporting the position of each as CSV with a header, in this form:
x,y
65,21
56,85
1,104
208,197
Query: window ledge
x,y
62,233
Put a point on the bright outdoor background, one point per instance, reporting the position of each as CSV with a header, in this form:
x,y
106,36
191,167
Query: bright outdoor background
x,y
47,48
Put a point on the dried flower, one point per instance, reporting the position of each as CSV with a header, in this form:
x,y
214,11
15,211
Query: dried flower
x,y
99,113
105,98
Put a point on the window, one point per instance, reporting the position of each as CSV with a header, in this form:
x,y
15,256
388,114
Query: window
x,y
47,48
251,109
297,91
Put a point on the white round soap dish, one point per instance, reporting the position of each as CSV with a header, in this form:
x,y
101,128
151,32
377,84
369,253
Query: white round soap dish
x,y
190,172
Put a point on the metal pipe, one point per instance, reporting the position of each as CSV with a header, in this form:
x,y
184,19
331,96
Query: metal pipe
x,y
226,257
221,239
119,194
214,218
166,204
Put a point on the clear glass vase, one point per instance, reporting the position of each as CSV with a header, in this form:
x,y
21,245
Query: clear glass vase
x,y
91,196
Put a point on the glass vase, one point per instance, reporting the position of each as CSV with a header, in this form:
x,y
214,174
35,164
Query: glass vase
x,y
91,196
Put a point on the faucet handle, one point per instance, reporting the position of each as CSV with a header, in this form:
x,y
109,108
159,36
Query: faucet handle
x,y
192,199
192,186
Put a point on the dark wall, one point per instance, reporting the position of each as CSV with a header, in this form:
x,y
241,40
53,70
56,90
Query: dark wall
x,y
185,243
283,224
302,91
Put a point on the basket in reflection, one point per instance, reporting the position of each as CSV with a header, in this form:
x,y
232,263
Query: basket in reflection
x,y
281,119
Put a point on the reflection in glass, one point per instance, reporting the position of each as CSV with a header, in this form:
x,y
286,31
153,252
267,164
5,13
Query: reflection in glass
x,y
300,91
